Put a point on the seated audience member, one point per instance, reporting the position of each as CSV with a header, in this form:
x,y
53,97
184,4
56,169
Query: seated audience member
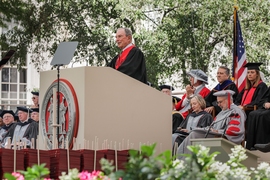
x,y
198,79
259,125
224,83
198,118
35,114
255,87
8,119
263,147
254,90
166,89
228,123
24,131
176,117
35,99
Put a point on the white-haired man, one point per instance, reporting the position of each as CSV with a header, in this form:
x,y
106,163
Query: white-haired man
x,y
131,59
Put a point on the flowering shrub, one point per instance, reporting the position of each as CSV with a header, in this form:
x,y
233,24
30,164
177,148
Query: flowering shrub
x,y
74,174
144,166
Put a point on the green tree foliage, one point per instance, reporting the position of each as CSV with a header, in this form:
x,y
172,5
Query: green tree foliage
x,y
175,35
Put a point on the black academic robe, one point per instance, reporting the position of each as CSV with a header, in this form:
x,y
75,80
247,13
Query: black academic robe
x,y
133,66
258,129
205,119
176,120
5,129
29,133
211,100
257,96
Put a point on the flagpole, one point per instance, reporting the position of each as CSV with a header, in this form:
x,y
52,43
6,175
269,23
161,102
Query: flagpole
x,y
239,54
234,62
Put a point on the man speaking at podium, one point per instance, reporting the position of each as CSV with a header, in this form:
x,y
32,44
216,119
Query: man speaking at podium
x,y
131,59
229,123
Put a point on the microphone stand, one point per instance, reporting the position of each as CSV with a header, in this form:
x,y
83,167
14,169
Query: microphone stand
x,y
58,99
208,131
223,134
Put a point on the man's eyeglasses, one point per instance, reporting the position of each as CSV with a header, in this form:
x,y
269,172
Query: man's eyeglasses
x,y
219,102
6,117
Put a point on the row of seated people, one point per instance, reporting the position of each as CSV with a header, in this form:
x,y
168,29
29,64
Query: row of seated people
x,y
21,133
254,93
229,122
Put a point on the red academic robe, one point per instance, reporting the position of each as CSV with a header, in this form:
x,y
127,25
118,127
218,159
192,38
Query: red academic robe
x,y
204,92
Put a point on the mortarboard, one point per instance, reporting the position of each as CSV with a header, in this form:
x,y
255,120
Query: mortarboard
x,y
35,93
251,66
7,56
175,99
199,74
35,110
166,87
7,111
225,93
24,109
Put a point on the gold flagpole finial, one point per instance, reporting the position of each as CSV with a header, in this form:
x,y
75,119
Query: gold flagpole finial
x,y
235,5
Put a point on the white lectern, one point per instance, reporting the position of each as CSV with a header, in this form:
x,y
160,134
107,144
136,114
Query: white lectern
x,y
115,110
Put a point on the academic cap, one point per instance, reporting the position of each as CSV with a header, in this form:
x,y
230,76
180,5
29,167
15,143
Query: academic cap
x,y
7,111
251,66
224,93
199,74
166,87
35,110
24,109
35,93
175,99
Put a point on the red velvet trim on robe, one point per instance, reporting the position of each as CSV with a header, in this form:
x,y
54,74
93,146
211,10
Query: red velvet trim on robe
x,y
122,57
248,95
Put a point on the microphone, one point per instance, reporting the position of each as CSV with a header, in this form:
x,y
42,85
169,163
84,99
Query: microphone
x,y
215,122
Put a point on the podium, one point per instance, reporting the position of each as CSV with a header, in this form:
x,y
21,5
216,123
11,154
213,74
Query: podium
x,y
224,147
115,111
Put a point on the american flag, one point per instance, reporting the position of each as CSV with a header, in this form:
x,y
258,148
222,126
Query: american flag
x,y
239,55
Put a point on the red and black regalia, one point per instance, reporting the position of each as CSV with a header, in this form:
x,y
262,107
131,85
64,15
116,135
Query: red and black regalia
x,y
131,62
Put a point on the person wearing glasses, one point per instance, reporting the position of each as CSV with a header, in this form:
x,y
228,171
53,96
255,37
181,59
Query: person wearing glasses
x,y
229,123
8,119
224,83
131,60
35,99
24,133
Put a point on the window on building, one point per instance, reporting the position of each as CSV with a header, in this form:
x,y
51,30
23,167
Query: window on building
x,y
13,87
13,82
